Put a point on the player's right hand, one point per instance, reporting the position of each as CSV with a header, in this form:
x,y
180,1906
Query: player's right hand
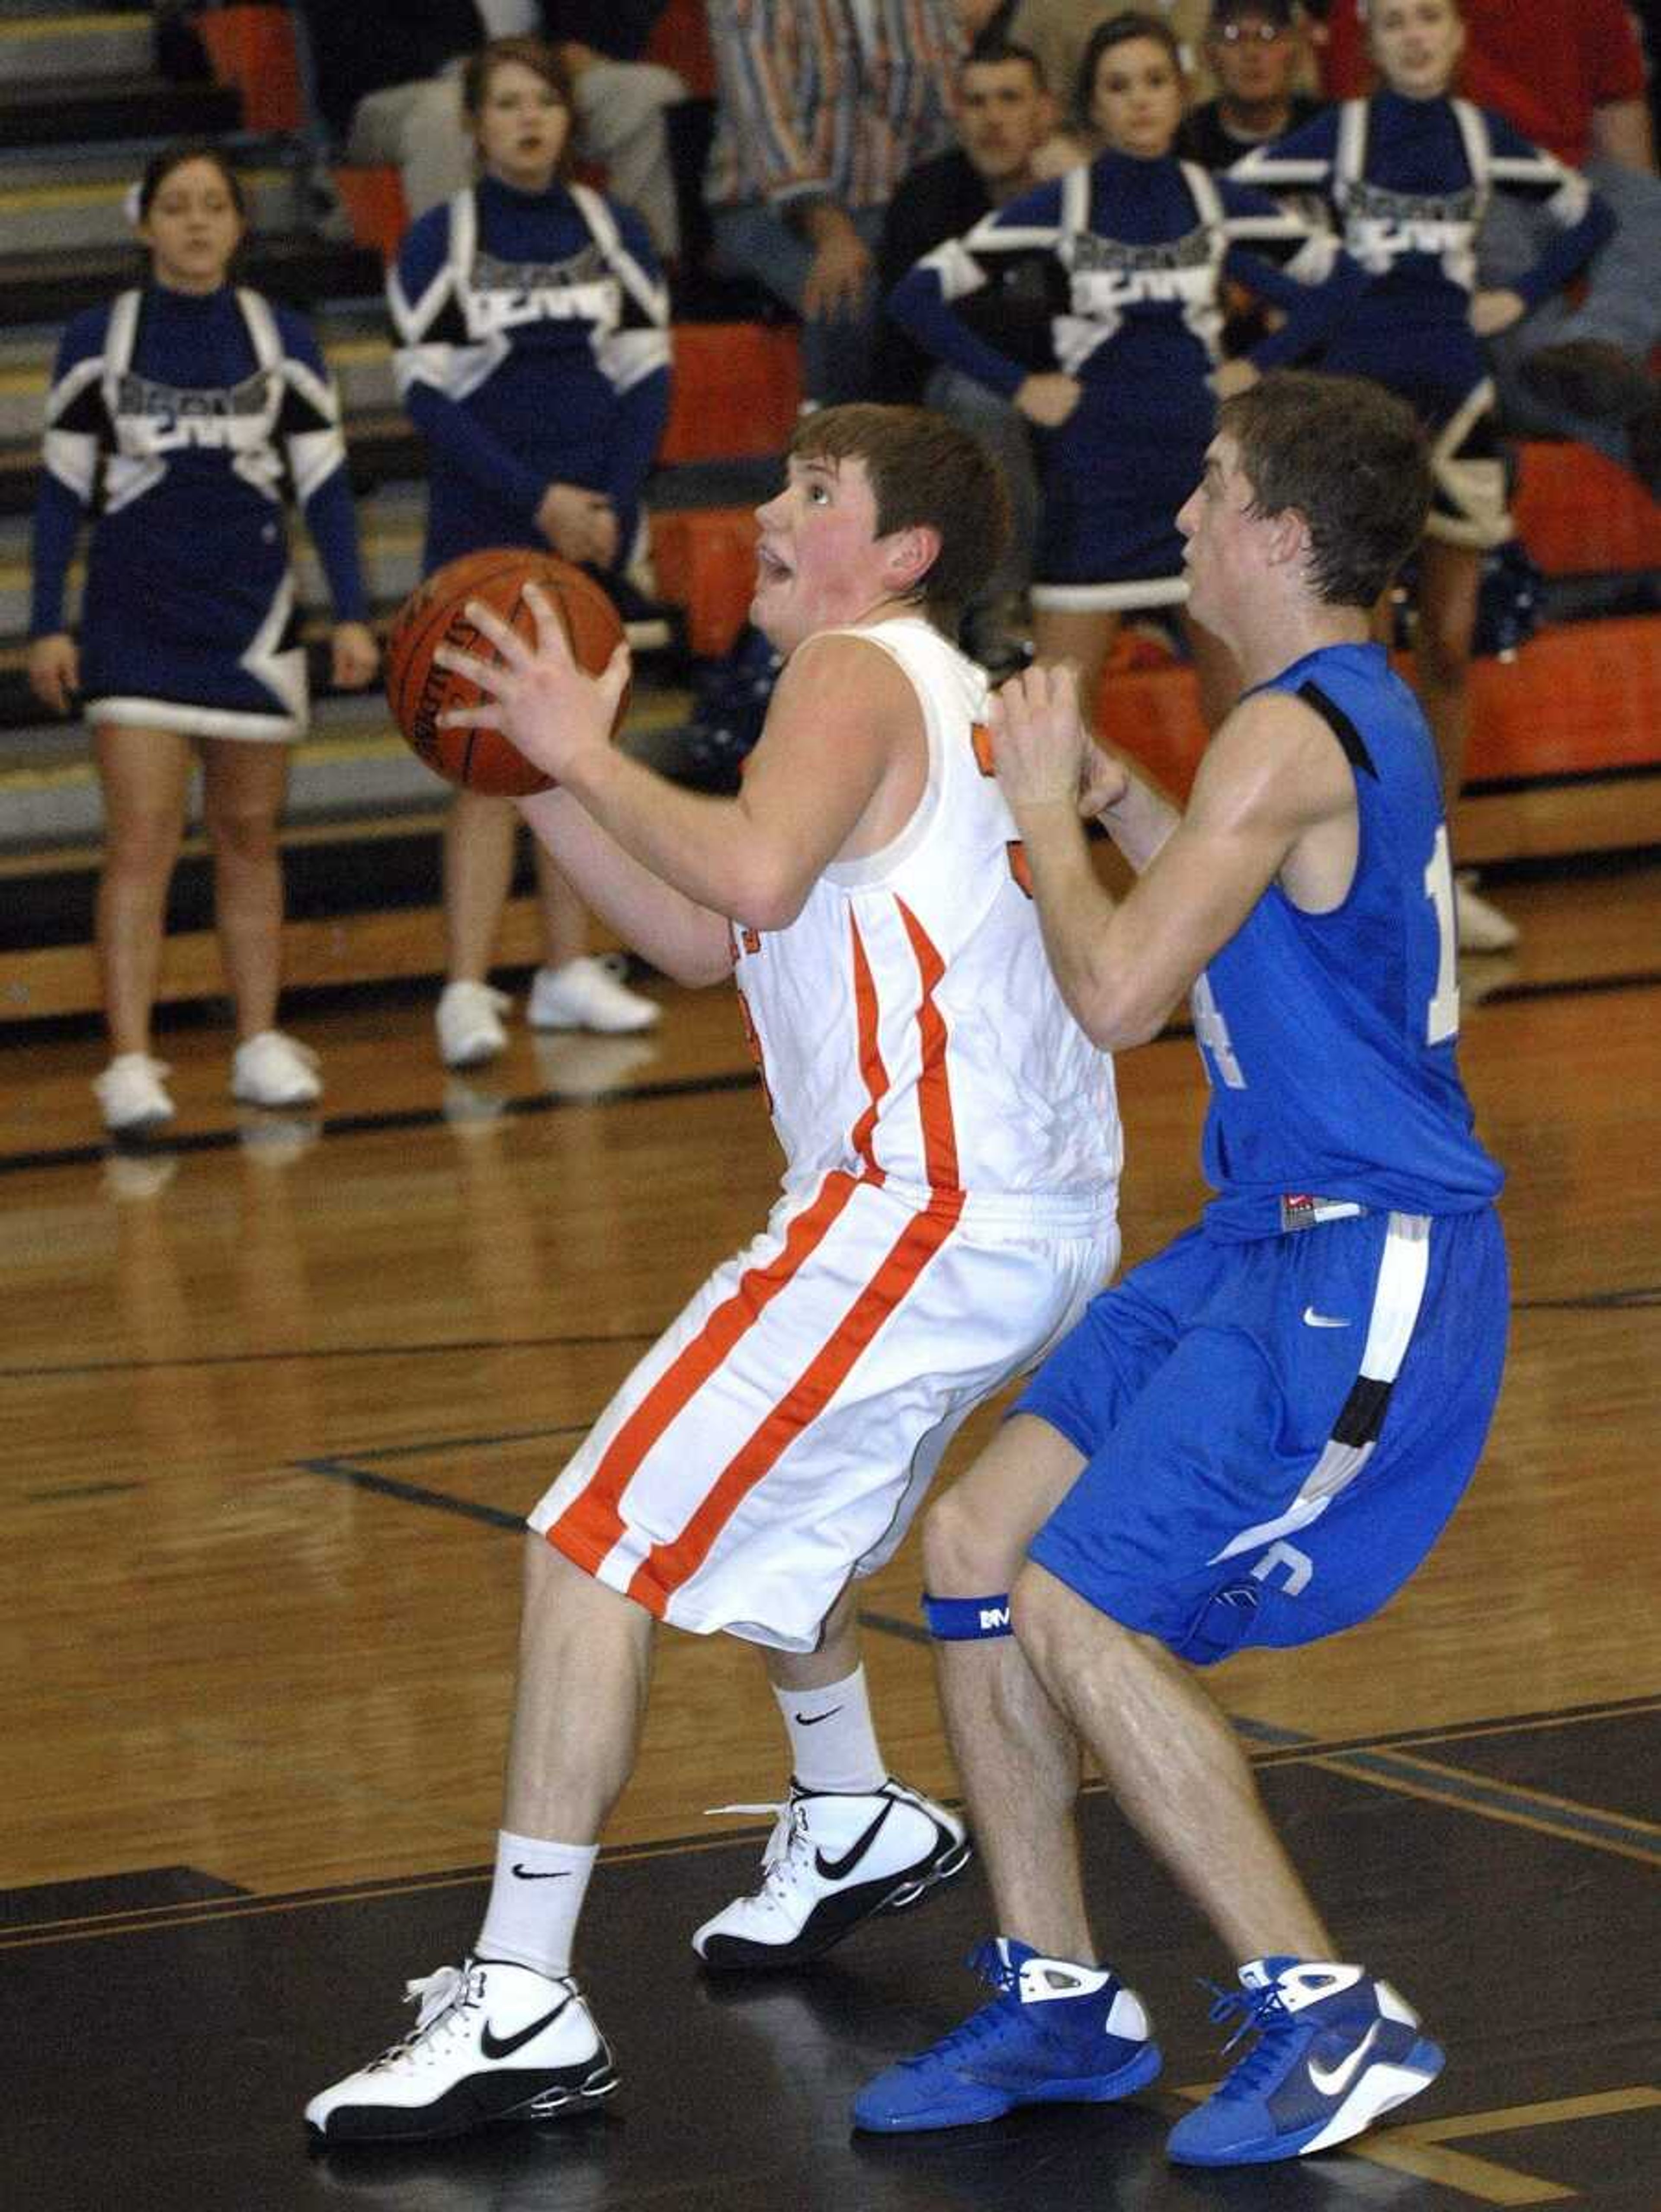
x,y
54,671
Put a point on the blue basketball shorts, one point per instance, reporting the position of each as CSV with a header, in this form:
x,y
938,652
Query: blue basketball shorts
x,y
1275,1431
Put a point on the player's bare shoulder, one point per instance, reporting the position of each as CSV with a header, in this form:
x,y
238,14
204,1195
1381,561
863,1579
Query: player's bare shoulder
x,y
1276,753
845,707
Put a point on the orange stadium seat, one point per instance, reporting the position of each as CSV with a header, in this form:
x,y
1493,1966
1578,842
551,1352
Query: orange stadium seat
x,y
681,41
737,390
1579,514
253,49
704,560
1578,698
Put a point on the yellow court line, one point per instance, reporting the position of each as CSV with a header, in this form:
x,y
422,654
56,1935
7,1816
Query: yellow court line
x,y
1454,2169
1419,2148
1555,2112
1356,1772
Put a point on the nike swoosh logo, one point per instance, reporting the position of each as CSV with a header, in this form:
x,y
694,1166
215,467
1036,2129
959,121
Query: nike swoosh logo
x,y
1335,2083
812,1720
834,1869
550,1873
1313,1320
503,2046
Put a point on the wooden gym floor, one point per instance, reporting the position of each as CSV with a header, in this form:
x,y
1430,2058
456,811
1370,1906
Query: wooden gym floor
x,y
273,1398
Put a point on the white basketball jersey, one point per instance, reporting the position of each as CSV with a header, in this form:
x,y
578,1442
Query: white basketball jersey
x,y
907,1023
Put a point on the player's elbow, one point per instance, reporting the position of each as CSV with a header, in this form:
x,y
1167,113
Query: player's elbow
x,y
772,895
1114,1013
697,971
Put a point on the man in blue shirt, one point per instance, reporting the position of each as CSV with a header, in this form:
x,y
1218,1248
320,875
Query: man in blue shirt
x,y
1255,1437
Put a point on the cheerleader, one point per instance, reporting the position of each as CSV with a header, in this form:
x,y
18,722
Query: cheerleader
x,y
1408,175
179,413
1130,256
533,358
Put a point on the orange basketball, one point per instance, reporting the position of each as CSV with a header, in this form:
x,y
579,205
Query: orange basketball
x,y
419,691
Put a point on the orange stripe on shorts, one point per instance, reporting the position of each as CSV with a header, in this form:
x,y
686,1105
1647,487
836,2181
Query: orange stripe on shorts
x,y
591,1524
666,1566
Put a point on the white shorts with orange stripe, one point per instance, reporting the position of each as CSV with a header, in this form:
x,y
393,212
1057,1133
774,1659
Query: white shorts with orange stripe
x,y
776,1440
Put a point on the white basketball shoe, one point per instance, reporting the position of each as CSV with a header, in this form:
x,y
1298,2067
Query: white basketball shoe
x,y
491,2042
834,1860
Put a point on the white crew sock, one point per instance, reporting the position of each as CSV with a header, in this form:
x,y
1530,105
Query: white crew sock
x,y
833,1742
535,1898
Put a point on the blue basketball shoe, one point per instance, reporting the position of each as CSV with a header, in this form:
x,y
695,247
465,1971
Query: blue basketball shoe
x,y
1054,2034
1335,2048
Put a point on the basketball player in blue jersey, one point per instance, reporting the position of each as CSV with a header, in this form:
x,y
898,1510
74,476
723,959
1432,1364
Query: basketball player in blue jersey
x,y
1125,262
1408,175
1257,1436
182,413
532,322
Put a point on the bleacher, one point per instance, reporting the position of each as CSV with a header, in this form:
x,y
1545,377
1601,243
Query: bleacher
x,y
1566,756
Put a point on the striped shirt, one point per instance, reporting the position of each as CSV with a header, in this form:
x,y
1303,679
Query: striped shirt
x,y
828,99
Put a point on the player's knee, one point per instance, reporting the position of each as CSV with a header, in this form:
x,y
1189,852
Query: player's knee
x,y
1034,1613
956,1554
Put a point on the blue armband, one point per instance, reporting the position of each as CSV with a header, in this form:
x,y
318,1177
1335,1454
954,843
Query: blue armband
x,y
962,1619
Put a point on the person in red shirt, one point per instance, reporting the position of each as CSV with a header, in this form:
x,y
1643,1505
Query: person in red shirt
x,y
1572,75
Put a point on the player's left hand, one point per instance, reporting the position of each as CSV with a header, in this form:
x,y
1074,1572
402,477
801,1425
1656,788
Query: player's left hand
x,y
1038,741
354,656
537,696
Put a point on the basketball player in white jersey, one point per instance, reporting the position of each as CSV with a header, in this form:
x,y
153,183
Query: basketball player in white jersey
x,y
951,1158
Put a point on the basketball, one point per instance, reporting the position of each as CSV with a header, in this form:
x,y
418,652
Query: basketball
x,y
419,691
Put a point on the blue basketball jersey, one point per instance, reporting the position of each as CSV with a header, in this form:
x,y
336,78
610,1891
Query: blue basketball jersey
x,y
1330,1039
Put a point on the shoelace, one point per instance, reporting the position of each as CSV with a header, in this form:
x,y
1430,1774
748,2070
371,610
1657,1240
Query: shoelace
x,y
449,1991
1263,2010
789,1833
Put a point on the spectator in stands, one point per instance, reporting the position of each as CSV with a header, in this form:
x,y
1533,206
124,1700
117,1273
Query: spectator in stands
x,y
1058,31
1570,75
819,114
533,358
388,74
1004,114
182,410
1408,175
1130,256
1255,49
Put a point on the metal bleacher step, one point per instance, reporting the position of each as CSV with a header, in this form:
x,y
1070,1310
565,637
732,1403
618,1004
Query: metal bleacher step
x,y
52,45
49,204
57,112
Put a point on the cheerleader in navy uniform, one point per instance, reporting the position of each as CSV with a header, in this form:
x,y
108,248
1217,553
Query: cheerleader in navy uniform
x,y
1408,175
533,358
180,413
1128,256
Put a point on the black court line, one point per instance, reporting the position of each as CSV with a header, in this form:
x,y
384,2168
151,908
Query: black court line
x,y
410,1494
1646,1294
549,1102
